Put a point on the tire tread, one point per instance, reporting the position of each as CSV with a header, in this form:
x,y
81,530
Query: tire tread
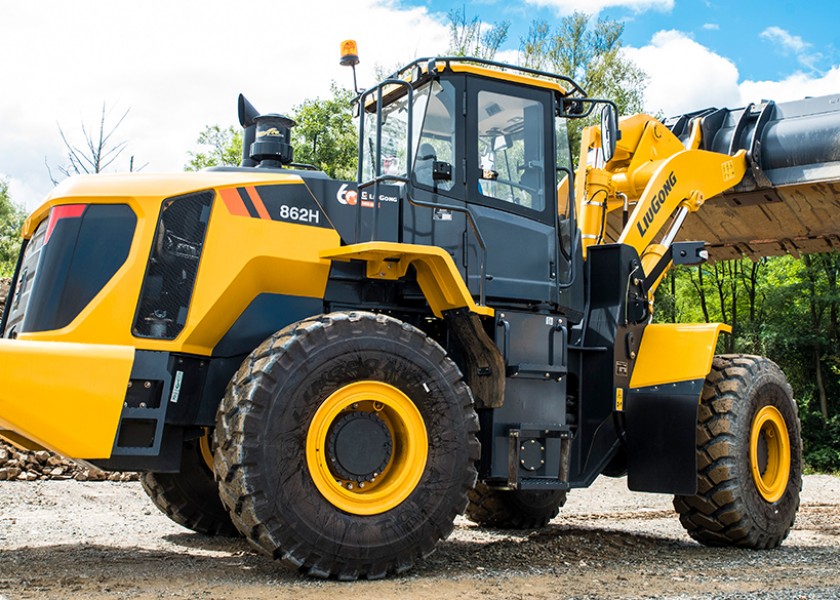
x,y
720,513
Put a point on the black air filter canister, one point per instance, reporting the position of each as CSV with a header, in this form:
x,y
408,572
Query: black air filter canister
x,y
273,140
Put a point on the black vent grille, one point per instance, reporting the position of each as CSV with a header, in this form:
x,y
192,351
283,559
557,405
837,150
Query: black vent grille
x,y
173,263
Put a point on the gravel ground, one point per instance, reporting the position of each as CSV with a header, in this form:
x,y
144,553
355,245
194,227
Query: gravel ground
x,y
71,539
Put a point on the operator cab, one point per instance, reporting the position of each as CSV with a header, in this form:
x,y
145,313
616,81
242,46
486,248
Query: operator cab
x,y
482,155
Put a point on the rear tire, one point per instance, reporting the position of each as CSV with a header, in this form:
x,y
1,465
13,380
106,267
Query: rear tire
x,y
506,509
190,497
749,457
346,445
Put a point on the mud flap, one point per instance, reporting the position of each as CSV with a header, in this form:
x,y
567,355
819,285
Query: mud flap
x,y
660,424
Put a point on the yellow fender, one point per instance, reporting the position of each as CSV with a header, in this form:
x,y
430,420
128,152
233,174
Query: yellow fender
x,y
437,275
670,353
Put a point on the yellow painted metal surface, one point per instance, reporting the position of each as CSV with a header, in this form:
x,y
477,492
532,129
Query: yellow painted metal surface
x,y
655,173
686,178
437,275
670,353
241,258
511,76
770,463
407,462
63,396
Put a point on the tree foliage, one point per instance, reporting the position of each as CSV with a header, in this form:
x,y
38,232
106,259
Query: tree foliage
x,y
221,147
11,220
785,308
325,135
474,38
588,51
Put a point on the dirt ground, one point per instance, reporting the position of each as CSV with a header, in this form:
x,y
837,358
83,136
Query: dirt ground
x,y
70,539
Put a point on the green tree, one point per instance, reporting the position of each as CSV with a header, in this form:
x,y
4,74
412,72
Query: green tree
x,y
11,220
325,135
474,38
588,51
222,147
785,308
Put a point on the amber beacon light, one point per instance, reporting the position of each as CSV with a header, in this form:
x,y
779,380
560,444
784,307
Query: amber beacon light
x,y
349,53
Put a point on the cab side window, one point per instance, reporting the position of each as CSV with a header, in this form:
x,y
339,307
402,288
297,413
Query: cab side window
x,y
511,151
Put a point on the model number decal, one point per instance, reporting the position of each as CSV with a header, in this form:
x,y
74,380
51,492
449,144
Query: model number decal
x,y
301,215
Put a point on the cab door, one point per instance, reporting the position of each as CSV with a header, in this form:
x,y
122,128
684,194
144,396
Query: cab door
x,y
437,217
511,190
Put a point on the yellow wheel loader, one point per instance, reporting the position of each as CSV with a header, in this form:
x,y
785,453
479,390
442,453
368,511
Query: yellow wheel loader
x,y
337,369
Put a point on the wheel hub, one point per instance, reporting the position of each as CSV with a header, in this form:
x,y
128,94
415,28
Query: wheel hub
x,y
366,448
359,446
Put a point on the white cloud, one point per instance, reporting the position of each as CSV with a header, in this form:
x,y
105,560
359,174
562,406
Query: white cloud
x,y
565,7
793,44
179,66
683,75
795,87
711,26
787,40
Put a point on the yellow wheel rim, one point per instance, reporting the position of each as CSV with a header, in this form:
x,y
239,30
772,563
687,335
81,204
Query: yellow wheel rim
x,y
770,453
407,461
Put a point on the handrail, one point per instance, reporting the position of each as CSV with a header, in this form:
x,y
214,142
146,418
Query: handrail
x,y
440,206
378,164
380,178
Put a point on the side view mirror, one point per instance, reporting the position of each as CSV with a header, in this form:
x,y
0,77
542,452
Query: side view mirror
x,y
609,131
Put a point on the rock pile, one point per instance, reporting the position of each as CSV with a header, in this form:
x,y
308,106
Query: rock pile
x,y
21,465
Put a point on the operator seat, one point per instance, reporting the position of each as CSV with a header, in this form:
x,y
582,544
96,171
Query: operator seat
x,y
532,179
423,164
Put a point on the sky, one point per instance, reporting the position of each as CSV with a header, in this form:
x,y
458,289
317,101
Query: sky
x,y
177,66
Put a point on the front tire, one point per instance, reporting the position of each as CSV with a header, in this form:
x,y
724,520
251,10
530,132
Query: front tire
x,y
749,457
346,444
513,509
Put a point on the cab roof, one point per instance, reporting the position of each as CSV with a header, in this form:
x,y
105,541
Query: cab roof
x,y
561,84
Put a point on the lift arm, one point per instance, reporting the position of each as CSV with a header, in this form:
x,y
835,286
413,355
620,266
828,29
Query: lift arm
x,y
767,178
656,174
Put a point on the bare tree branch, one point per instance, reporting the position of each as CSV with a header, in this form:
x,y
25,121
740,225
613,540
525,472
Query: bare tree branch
x,y
97,152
